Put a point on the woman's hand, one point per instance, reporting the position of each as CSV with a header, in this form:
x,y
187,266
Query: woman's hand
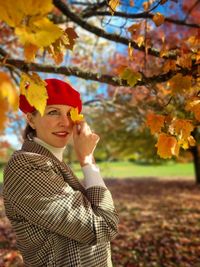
x,y
85,142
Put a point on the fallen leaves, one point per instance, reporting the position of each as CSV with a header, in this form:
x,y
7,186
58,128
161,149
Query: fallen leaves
x,y
159,225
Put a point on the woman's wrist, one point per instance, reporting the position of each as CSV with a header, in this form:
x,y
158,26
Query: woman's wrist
x,y
87,160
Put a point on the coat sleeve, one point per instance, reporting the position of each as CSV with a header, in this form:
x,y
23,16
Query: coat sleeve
x,y
43,198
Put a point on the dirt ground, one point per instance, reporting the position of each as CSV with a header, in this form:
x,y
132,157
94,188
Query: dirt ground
x,y
159,225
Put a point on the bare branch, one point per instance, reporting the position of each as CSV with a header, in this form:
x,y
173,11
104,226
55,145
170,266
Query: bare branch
x,y
101,33
143,15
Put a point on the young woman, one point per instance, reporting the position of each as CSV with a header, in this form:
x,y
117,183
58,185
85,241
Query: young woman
x,y
58,221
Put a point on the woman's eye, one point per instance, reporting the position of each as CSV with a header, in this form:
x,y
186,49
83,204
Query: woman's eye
x,y
53,112
69,114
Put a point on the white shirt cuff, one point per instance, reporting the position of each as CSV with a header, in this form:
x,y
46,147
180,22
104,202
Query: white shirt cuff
x,y
92,176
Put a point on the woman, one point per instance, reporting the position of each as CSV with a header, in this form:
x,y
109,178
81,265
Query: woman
x,y
58,221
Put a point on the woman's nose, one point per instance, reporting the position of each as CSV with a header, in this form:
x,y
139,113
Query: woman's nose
x,y
65,120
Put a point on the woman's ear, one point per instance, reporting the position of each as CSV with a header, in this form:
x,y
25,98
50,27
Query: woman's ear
x,y
30,120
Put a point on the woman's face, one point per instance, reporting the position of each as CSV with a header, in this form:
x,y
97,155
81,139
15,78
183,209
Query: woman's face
x,y
54,127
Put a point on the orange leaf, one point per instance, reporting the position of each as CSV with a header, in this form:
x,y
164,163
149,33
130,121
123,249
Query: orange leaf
x,y
72,35
158,19
167,146
155,122
182,128
30,51
3,110
180,83
194,106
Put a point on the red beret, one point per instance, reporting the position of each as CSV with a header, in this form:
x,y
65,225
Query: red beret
x,y
59,93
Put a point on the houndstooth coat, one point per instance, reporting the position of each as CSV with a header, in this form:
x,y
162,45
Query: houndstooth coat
x,y
58,223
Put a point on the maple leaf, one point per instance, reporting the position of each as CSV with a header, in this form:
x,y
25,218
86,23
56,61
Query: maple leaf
x,y
75,116
40,32
182,129
158,19
194,106
167,146
34,90
16,13
30,51
113,4
129,75
66,41
7,91
155,122
3,110
180,83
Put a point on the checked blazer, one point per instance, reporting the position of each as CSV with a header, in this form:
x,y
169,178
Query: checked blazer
x,y
58,223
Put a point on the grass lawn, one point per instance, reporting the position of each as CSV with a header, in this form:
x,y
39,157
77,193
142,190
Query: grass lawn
x,y
126,169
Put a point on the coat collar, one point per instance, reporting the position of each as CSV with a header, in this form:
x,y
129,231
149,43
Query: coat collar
x,y
33,147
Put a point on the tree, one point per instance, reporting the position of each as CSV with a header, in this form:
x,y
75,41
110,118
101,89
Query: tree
x,y
153,64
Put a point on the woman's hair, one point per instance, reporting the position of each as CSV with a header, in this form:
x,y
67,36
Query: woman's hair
x,y
29,132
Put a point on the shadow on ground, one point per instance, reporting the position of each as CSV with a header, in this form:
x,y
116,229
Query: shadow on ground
x,y
159,225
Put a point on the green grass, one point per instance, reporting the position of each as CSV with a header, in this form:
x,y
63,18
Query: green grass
x,y
124,169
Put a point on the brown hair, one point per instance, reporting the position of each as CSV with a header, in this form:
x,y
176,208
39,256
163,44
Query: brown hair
x,y
29,132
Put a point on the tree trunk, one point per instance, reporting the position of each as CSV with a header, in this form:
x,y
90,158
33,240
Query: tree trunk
x,y
196,159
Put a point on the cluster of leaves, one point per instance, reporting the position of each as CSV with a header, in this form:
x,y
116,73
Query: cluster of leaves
x,y
154,230
162,56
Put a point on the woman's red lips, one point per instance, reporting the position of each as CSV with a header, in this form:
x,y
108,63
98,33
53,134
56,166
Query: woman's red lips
x,y
61,134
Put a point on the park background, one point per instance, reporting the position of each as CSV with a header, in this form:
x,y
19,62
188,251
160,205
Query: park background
x,y
136,65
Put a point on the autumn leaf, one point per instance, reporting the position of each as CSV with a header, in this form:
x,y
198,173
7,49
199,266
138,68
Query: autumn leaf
x,y
16,13
182,129
169,65
3,110
155,122
167,146
194,106
7,91
180,83
33,87
158,19
40,32
113,4
75,116
29,51
66,41
130,76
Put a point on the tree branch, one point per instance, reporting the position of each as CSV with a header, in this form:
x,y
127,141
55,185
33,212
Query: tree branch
x,y
102,78
101,33
143,15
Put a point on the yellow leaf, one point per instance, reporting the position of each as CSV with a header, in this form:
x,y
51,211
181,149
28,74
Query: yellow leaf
x,y
30,51
167,146
40,32
75,116
130,76
180,83
16,13
113,4
34,90
181,128
191,141
155,122
7,91
158,19
194,106
3,116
